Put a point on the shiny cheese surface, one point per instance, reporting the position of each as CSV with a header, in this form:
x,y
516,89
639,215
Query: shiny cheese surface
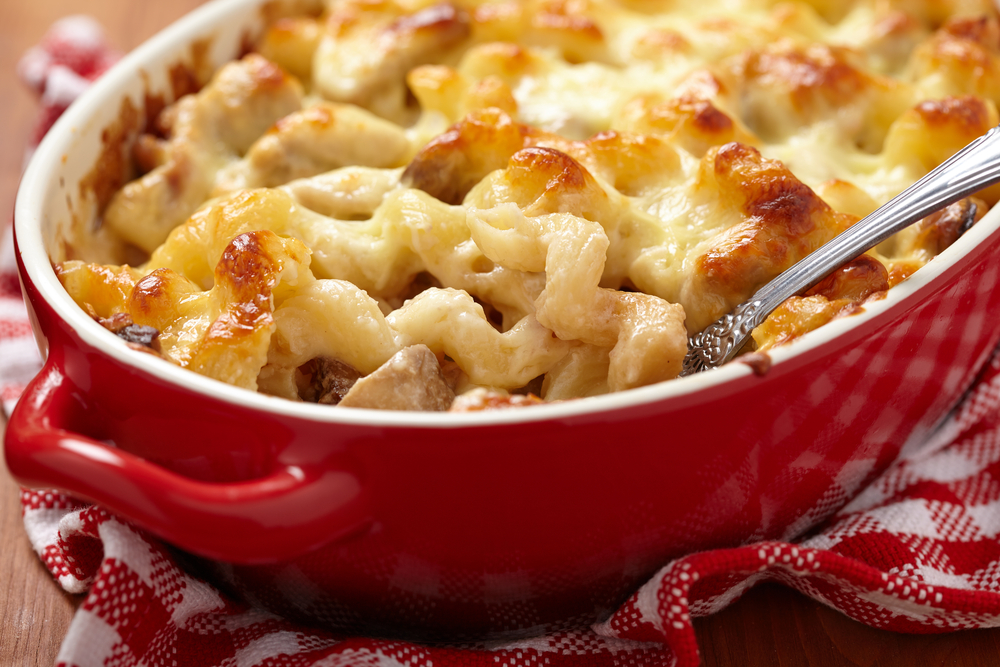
x,y
549,195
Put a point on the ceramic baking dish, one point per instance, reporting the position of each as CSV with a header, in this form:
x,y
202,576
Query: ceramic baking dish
x,y
462,525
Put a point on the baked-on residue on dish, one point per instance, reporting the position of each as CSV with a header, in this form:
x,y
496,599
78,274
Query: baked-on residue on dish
x,y
393,202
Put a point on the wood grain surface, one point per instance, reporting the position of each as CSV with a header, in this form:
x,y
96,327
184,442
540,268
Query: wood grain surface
x,y
770,626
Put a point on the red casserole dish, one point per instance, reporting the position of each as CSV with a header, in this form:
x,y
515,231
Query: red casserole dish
x,y
452,526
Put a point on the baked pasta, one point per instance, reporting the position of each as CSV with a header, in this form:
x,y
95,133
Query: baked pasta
x,y
391,203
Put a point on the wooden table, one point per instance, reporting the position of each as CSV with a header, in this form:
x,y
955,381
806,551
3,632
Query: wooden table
x,y
770,626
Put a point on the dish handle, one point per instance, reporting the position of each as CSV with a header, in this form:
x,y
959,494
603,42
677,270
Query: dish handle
x,y
279,516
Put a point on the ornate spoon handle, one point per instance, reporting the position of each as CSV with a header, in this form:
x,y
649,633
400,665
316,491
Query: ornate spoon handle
x,y
971,169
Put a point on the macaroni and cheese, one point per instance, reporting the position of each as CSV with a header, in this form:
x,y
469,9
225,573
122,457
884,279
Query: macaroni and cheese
x,y
393,202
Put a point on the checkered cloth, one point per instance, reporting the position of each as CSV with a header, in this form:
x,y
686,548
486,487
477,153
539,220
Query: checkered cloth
x,y
916,551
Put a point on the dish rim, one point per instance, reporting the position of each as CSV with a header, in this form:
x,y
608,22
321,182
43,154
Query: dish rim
x,y
65,137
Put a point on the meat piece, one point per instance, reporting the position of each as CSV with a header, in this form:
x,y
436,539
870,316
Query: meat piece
x,y
138,336
759,362
918,244
325,380
410,380
116,322
939,230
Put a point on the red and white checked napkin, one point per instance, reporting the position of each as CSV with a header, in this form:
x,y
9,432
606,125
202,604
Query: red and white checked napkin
x,y
916,551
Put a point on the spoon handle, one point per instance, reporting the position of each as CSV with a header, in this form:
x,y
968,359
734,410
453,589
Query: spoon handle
x,y
971,169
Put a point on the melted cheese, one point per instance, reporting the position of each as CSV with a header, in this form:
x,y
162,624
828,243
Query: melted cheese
x,y
557,188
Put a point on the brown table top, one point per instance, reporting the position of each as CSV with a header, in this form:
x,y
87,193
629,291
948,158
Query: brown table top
x,y
770,626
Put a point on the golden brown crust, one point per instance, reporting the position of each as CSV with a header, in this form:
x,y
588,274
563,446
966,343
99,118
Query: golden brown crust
x,y
104,291
456,160
798,316
694,123
548,181
782,220
855,281
818,75
964,56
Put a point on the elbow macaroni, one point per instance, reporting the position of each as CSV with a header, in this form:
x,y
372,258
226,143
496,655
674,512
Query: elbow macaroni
x,y
549,195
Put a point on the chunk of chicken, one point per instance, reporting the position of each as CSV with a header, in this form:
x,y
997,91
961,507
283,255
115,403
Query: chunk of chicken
x,y
410,380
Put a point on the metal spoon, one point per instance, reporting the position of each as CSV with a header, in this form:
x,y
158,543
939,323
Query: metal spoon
x,y
971,169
